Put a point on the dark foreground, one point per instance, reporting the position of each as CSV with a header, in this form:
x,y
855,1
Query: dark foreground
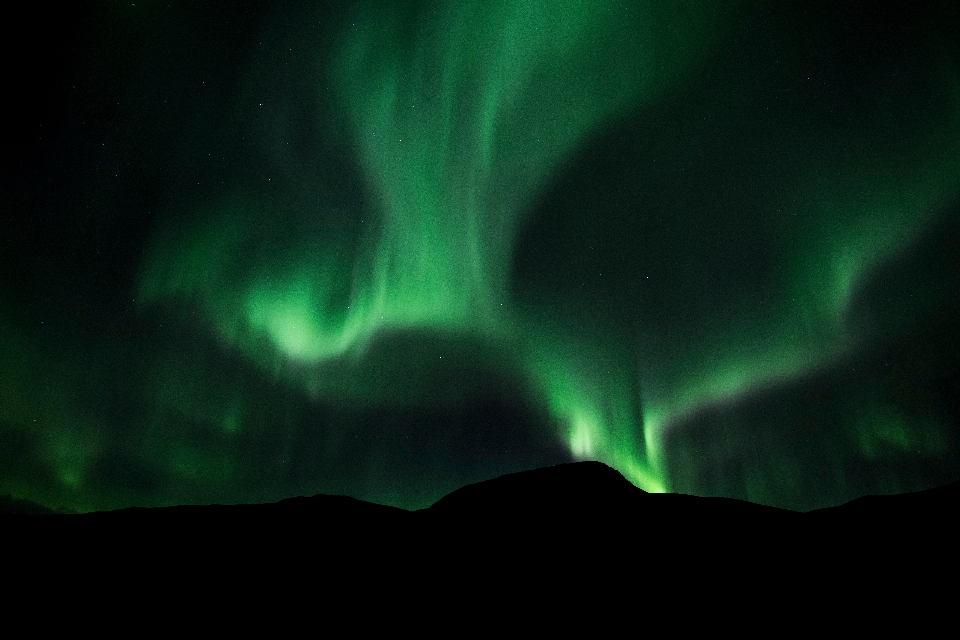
x,y
575,515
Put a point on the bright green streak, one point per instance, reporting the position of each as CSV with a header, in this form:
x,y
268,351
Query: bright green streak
x,y
460,112
461,115
458,131
844,215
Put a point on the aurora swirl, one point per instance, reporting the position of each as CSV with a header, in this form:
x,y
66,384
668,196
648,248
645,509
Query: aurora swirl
x,y
605,220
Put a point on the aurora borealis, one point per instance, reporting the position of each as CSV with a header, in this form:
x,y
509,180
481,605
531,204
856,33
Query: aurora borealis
x,y
388,248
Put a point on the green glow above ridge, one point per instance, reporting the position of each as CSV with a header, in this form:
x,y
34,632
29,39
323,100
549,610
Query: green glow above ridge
x,y
457,135
459,115
848,213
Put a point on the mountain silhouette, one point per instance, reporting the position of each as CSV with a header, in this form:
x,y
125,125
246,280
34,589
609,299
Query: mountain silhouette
x,y
577,510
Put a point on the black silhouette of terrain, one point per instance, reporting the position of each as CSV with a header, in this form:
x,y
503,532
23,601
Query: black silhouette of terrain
x,y
565,492
566,513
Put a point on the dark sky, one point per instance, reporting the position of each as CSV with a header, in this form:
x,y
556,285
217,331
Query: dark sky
x,y
389,248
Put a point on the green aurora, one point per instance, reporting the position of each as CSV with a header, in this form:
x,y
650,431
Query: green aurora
x,y
620,216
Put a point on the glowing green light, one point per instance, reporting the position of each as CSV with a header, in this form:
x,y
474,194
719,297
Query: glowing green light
x,y
459,115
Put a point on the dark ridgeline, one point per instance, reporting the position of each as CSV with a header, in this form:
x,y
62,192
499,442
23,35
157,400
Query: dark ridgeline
x,y
573,515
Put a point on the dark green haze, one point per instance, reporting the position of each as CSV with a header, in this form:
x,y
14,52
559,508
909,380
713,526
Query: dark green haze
x,y
388,248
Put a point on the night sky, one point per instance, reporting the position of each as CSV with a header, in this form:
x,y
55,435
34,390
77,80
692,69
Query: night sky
x,y
385,249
